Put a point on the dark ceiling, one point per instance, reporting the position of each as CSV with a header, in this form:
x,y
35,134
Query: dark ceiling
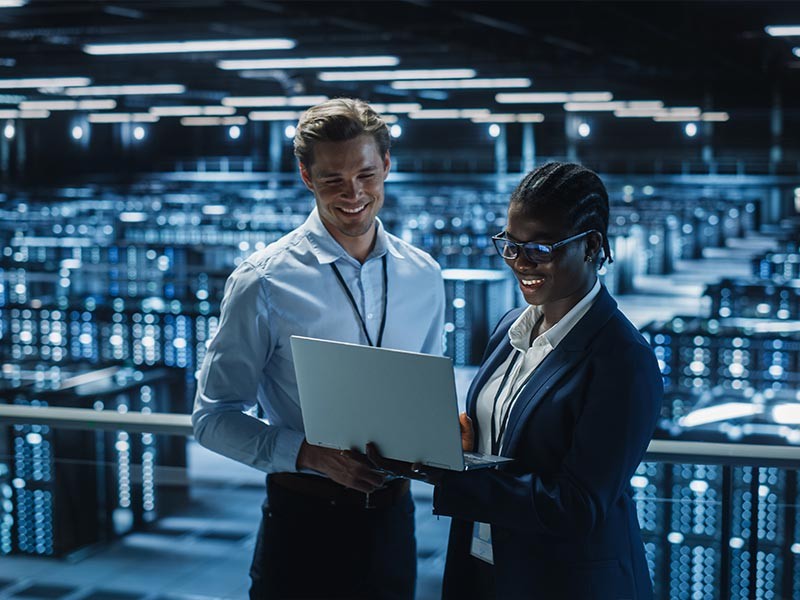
x,y
710,54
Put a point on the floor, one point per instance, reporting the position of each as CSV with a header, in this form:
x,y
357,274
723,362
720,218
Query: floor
x,y
204,552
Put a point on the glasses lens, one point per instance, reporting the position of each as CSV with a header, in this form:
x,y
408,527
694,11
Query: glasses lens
x,y
538,253
505,248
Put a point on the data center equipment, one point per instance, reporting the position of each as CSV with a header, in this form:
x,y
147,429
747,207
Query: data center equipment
x,y
64,489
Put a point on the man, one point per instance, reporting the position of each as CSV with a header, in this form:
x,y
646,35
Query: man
x,y
332,527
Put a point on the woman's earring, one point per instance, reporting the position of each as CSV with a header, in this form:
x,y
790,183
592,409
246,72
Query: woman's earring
x,y
588,258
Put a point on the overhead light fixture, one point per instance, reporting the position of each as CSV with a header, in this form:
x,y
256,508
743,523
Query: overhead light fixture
x,y
234,132
190,46
675,118
456,84
399,107
682,111
122,118
552,97
275,115
627,112
24,114
719,117
395,131
592,106
192,111
495,118
328,62
796,51
9,131
690,129
584,130
644,104
397,74
276,101
678,114
782,30
210,121
68,105
532,98
43,82
643,108
452,113
126,90
509,118
12,3
591,97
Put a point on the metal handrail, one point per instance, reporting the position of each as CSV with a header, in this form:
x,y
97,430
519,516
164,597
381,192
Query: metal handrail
x,y
671,451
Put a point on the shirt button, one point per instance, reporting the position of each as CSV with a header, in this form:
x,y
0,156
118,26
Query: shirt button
x,y
369,315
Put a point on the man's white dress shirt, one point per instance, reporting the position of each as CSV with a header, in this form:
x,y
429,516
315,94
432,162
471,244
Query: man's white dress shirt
x,y
289,288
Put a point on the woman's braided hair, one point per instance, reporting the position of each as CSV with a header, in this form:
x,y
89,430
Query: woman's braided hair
x,y
570,193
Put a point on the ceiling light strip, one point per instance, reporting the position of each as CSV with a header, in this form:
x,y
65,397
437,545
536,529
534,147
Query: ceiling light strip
x,y
37,82
192,111
552,97
190,46
211,121
455,84
397,74
126,90
328,62
276,101
122,118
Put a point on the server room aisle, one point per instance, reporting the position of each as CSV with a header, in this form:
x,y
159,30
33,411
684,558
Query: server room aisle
x,y
203,552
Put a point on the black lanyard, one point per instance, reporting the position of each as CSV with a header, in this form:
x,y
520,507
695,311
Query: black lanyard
x,y
498,436
355,306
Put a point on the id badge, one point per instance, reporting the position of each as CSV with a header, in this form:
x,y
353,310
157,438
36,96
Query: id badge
x,y
481,546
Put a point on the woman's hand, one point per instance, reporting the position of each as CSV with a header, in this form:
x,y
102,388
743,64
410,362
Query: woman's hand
x,y
467,433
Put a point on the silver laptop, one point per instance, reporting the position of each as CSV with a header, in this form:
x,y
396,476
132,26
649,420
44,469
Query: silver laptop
x,y
405,402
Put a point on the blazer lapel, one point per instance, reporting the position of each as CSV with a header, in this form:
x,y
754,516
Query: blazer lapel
x,y
557,364
488,368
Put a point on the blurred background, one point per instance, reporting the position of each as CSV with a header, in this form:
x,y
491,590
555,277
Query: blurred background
x,y
145,150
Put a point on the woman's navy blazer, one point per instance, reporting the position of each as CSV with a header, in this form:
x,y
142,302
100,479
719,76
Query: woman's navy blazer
x,y
563,522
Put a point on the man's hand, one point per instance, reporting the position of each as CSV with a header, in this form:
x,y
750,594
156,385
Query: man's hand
x,y
350,469
467,433
401,468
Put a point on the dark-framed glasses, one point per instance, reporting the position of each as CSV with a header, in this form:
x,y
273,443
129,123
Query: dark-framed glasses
x,y
534,251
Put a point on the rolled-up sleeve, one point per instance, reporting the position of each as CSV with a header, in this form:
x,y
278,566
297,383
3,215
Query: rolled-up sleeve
x,y
229,379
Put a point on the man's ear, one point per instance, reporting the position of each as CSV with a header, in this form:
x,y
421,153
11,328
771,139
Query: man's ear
x,y
387,165
305,176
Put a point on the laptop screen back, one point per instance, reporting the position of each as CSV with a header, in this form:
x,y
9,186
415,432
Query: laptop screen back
x,y
405,402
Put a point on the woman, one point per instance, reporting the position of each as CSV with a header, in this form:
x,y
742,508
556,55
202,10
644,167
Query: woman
x,y
570,390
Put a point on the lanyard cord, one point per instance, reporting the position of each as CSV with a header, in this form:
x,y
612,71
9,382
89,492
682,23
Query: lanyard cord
x,y
497,436
505,414
355,306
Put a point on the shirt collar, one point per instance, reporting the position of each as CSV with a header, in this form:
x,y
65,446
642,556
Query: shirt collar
x,y
520,332
328,250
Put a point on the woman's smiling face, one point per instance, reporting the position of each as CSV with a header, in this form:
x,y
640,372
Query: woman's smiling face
x,y
557,285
